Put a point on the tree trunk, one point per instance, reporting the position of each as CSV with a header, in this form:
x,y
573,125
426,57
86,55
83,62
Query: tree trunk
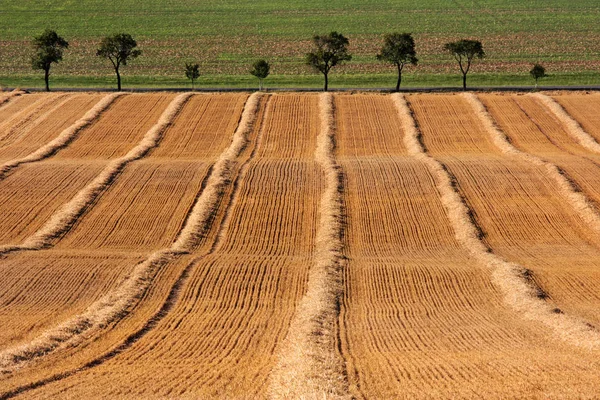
x,y
399,78
46,78
118,79
260,85
464,81
326,83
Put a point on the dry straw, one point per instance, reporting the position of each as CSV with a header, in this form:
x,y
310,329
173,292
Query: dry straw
x,y
309,365
570,192
117,303
14,93
199,219
64,138
512,279
573,127
32,115
69,212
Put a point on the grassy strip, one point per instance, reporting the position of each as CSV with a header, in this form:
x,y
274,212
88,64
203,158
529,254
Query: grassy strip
x,y
302,81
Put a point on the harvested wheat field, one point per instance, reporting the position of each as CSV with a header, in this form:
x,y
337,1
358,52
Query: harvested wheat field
x,y
299,246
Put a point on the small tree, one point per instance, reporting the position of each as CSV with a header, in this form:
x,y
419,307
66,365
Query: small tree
x,y
330,50
48,49
464,51
119,49
398,49
192,72
261,70
538,72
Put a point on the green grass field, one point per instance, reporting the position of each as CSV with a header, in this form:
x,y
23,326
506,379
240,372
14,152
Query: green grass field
x,y
226,36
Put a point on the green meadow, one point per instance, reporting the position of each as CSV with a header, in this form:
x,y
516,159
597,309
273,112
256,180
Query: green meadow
x,y
225,37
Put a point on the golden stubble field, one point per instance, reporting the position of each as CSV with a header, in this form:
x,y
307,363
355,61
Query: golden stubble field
x,y
299,245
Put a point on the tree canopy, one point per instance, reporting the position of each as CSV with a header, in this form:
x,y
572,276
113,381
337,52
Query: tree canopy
x,y
261,70
48,49
464,51
398,49
537,72
119,49
329,51
192,72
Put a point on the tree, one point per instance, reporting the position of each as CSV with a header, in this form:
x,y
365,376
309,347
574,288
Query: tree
x,y
330,50
261,70
48,49
119,49
192,72
464,51
538,72
398,49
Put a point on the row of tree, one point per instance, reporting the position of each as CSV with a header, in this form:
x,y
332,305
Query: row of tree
x,y
49,47
328,51
398,49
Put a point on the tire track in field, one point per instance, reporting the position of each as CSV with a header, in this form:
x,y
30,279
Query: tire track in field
x,y
516,283
64,138
567,189
104,310
197,224
573,127
310,362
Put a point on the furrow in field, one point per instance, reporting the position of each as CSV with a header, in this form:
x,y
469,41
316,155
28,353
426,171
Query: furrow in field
x,y
515,206
101,312
27,148
309,363
420,316
530,127
221,337
137,284
34,193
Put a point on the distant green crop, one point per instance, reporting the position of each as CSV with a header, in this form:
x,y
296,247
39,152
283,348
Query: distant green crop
x,y
227,36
